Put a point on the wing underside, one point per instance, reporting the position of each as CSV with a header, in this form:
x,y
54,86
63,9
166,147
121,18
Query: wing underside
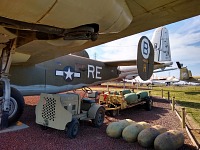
x,y
127,17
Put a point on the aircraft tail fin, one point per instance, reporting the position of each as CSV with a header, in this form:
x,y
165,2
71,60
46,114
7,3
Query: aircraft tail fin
x,y
145,58
185,74
161,45
145,61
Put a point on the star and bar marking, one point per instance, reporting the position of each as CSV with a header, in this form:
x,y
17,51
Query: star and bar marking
x,y
68,73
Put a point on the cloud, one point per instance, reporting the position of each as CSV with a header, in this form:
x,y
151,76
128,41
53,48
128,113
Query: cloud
x,y
184,42
122,49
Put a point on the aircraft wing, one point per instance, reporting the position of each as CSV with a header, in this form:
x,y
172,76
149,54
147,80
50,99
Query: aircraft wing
x,y
121,63
132,73
125,63
162,70
48,29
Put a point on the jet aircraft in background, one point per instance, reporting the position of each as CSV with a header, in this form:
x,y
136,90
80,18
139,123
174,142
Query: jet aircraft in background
x,y
33,31
154,81
166,81
184,79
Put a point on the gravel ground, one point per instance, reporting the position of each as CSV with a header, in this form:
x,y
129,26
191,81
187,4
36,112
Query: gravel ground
x,y
89,138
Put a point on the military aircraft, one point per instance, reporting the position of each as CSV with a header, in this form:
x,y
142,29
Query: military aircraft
x,y
68,73
77,70
139,81
166,81
186,75
34,31
154,81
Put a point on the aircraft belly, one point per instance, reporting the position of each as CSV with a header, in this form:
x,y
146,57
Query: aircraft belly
x,y
68,14
38,89
28,11
24,76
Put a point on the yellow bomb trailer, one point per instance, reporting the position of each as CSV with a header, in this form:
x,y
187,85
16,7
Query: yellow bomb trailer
x,y
64,111
125,99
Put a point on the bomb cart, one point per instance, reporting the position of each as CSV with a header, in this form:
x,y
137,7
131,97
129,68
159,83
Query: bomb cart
x,y
113,102
64,111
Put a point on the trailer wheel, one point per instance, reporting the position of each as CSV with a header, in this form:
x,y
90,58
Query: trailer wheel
x,y
72,128
149,104
99,118
16,105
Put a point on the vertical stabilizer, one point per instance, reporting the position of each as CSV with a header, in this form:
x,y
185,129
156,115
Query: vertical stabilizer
x,y
185,74
160,41
145,58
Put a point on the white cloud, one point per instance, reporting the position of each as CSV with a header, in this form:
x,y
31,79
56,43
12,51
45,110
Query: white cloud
x,y
122,49
184,43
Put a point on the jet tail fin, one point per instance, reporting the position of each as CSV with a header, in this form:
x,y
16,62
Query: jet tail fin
x,y
161,45
145,58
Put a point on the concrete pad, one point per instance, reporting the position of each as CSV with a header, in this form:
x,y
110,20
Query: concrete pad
x,y
17,126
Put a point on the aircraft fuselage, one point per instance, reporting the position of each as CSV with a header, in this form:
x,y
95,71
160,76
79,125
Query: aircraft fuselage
x,y
64,73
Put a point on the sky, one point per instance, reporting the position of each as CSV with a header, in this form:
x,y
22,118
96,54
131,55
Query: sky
x,y
184,39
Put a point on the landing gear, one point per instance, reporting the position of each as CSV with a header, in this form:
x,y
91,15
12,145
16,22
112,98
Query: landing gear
x,y
11,101
16,105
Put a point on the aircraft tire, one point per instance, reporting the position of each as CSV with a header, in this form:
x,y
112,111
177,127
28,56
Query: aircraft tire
x,y
72,128
16,106
99,117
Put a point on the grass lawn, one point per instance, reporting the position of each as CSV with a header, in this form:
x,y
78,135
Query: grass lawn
x,y
186,96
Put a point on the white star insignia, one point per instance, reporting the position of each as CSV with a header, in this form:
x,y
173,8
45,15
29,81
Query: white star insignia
x,y
68,74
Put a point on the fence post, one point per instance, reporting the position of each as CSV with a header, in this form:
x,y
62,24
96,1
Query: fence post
x,y
173,103
149,93
183,117
168,95
162,92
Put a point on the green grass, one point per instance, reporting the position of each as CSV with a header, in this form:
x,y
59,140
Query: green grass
x,y
186,96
